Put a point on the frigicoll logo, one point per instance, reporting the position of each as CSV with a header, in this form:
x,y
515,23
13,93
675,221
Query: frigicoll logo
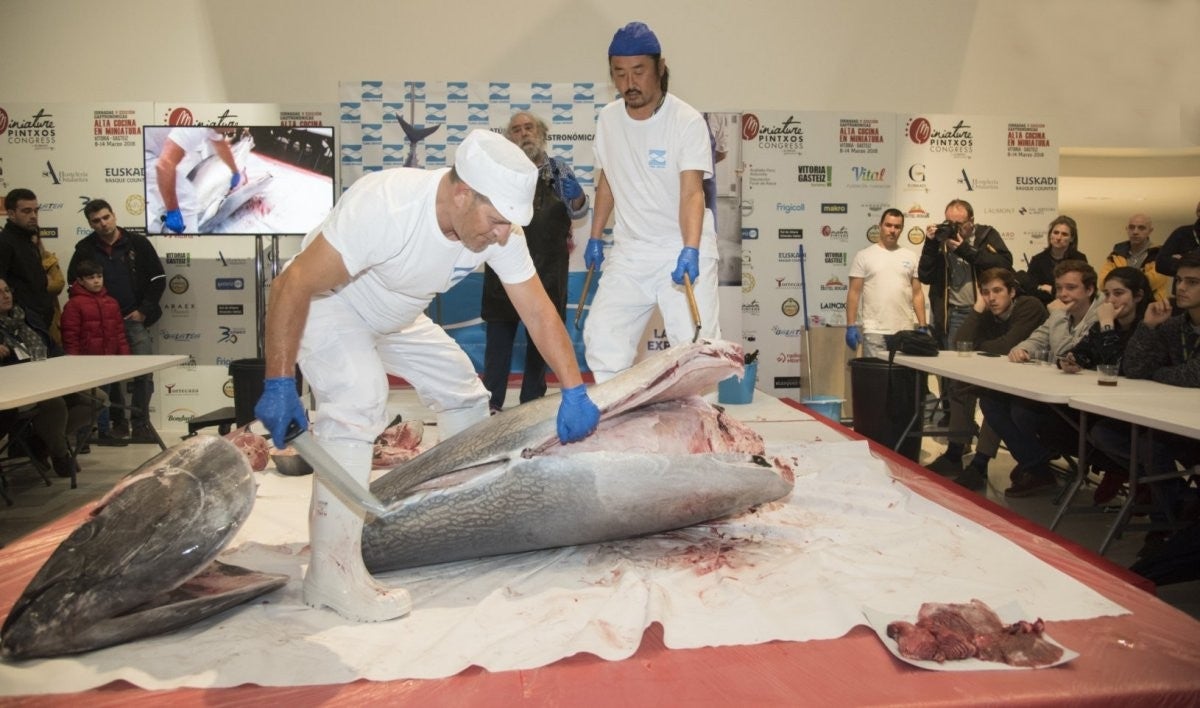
x,y
750,126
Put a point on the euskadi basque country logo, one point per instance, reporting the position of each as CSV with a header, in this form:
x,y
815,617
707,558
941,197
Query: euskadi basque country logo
x,y
956,139
1043,183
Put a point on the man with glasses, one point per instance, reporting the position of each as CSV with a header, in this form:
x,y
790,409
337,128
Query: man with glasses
x,y
1138,251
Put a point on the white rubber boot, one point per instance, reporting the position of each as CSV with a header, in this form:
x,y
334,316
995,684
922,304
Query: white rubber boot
x,y
336,576
455,421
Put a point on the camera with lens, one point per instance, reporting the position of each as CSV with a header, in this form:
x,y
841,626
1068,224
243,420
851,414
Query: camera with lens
x,y
946,230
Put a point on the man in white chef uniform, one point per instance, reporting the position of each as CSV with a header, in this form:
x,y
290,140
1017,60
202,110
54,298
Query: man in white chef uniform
x,y
349,307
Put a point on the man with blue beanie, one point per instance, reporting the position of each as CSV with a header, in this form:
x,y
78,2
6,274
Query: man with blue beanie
x,y
653,153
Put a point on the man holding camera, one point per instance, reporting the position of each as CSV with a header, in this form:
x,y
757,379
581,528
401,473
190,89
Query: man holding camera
x,y
955,253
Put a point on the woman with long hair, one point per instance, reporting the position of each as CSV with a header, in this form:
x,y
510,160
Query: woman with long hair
x,y
1062,244
1126,295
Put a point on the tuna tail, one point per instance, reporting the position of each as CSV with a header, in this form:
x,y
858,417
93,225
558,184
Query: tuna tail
x,y
414,136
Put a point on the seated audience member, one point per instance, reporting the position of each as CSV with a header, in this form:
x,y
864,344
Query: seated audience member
x,y
1062,244
22,334
1185,239
1139,251
998,321
1165,349
1126,297
1022,424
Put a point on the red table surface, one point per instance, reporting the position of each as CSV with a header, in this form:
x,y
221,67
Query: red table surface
x,y
1149,657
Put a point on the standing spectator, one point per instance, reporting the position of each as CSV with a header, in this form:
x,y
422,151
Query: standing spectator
x,y
884,284
1139,251
55,283
1025,425
1062,244
92,325
950,266
557,200
999,319
1185,239
133,276
653,152
21,258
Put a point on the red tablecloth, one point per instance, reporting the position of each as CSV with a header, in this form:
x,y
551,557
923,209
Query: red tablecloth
x,y
1150,657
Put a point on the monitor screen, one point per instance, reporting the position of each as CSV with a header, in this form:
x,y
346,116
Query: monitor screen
x,y
284,181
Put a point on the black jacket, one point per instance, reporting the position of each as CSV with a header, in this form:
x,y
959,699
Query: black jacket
x,y
139,265
985,250
21,268
1041,272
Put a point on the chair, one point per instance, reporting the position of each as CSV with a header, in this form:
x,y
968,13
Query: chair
x,y
18,448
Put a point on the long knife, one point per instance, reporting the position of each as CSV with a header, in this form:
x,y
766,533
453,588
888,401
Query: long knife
x,y
587,285
332,473
691,298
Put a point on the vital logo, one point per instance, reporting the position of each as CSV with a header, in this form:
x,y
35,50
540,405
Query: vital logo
x,y
224,310
866,174
791,233
231,284
816,175
873,233
835,208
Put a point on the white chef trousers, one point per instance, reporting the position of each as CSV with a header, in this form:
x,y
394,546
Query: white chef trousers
x,y
632,286
346,363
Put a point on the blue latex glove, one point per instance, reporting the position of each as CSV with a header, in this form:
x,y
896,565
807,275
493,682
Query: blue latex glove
x,y
853,337
593,255
577,415
174,221
279,407
689,262
234,180
568,187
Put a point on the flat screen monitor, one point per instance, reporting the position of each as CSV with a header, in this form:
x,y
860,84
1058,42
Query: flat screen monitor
x,y
284,179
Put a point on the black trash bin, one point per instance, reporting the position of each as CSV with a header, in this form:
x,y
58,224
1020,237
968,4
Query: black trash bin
x,y
248,375
884,398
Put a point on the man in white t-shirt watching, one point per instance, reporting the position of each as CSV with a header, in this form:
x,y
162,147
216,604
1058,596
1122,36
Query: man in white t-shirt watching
x,y
349,308
884,289
654,152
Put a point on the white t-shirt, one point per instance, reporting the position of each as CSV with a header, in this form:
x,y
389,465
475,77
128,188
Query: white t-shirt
x,y
642,160
886,303
385,228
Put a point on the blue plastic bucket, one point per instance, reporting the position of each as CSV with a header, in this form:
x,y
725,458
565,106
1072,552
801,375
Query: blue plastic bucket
x,y
734,390
828,406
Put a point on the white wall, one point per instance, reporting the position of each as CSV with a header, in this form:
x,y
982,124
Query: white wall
x,y
1114,73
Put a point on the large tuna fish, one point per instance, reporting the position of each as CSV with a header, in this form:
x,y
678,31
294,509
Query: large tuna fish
x,y
142,563
210,180
661,459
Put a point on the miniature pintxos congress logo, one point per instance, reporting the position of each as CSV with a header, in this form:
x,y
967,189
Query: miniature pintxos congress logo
x,y
750,126
180,116
919,130
3,120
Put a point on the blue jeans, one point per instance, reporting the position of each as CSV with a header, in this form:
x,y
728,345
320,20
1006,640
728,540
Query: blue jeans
x,y
1017,422
141,387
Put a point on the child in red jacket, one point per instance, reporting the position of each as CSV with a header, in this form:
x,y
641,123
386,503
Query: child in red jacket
x,y
91,321
92,324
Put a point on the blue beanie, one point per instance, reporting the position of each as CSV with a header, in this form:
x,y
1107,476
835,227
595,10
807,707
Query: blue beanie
x,y
634,39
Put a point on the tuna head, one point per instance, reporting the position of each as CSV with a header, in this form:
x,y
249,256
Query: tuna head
x,y
159,527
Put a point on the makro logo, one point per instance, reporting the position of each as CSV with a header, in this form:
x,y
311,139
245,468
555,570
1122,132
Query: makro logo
x,y
833,208
180,259
839,234
788,257
791,233
231,283
789,208
815,174
178,284
230,310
